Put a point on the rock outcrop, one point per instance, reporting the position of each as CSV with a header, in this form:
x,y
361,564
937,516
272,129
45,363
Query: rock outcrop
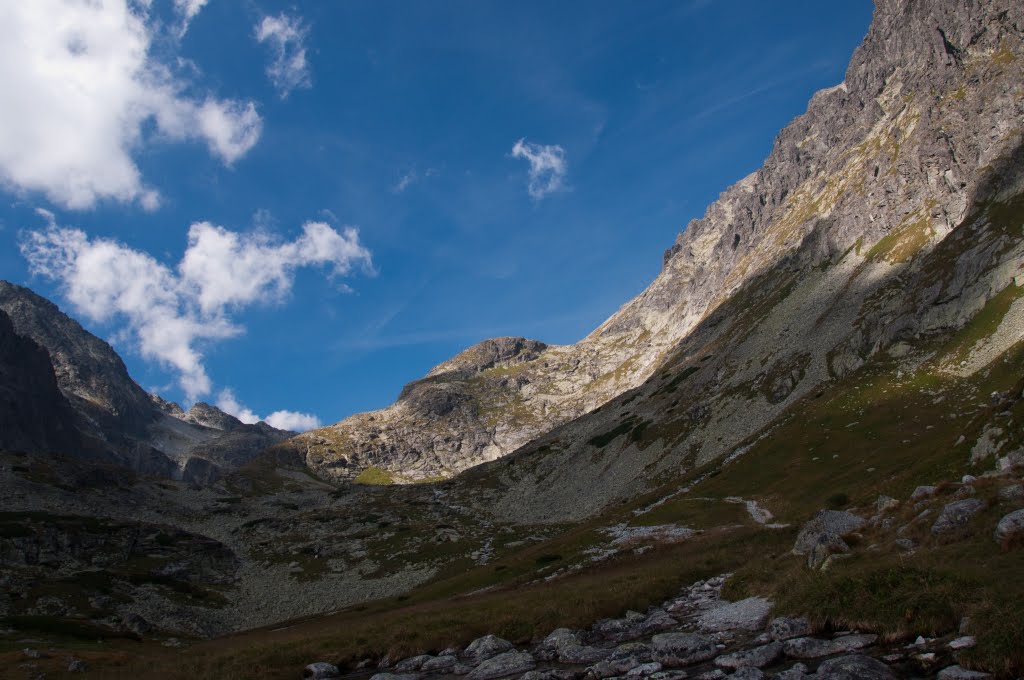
x,y
35,416
98,411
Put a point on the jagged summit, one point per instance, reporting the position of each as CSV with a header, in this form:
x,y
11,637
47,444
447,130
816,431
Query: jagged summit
x,y
109,415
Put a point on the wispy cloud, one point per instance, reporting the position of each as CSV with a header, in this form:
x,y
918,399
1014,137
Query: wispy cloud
x,y
411,177
169,313
89,89
285,36
548,166
187,11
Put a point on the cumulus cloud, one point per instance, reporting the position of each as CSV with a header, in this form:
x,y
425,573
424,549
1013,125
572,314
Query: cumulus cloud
x,y
168,313
547,166
285,36
282,420
87,93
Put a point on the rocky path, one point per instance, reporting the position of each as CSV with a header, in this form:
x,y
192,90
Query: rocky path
x,y
696,635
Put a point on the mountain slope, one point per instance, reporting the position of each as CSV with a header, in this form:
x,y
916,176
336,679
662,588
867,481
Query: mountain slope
x,y
877,172
114,418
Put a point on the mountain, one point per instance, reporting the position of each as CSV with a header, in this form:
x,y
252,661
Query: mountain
x,y
871,191
35,416
814,408
113,418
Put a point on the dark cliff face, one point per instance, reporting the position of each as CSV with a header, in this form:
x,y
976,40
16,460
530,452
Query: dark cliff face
x,y
71,393
34,415
90,373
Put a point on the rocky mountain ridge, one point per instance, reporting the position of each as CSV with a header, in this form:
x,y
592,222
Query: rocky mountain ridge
x,y
857,193
104,414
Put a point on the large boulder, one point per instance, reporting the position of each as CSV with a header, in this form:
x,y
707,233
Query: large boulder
x,y
783,628
502,665
1010,528
813,648
486,647
682,649
320,670
836,523
748,614
854,667
956,515
758,657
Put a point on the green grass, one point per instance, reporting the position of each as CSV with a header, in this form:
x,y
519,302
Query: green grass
x,y
375,476
903,242
983,325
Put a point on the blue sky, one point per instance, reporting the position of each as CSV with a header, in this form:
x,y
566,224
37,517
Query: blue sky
x,y
397,119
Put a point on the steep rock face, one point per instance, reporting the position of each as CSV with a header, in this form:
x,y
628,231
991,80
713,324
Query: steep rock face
x,y
35,415
101,412
89,371
887,225
877,173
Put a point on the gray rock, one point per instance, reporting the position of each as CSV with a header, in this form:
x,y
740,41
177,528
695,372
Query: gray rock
x,y
748,674
783,628
1010,527
1012,493
581,654
827,544
549,674
716,674
561,637
923,492
682,649
854,667
956,515
837,522
748,614
758,657
965,642
886,503
960,673
644,669
395,676
814,648
797,671
486,647
320,669
77,666
657,621
439,664
502,665
413,663
675,674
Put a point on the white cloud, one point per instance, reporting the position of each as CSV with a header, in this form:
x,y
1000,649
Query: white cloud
x,y
285,36
291,420
404,181
87,93
410,178
169,314
547,166
187,11
282,420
